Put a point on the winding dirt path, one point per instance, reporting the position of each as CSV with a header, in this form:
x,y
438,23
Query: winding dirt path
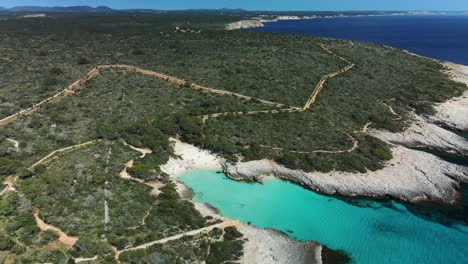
x,y
222,225
62,151
64,238
96,71
324,79
155,185
143,220
351,149
390,108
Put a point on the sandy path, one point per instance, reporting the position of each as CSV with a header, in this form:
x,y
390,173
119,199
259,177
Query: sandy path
x,y
9,182
143,151
390,108
189,233
143,220
62,151
64,238
96,72
55,98
80,260
324,79
14,142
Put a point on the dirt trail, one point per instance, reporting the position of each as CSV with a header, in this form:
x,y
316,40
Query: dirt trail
x,y
351,149
128,68
64,238
318,88
14,142
55,98
272,111
398,117
189,233
143,151
143,220
80,260
62,151
324,79
9,182
97,71
155,185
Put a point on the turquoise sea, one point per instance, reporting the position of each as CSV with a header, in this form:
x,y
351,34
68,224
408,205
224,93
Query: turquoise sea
x,y
371,234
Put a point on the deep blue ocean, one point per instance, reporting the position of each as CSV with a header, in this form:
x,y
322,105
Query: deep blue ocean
x,y
443,37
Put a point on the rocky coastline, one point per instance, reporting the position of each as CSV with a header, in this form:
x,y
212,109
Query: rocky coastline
x,y
243,24
410,176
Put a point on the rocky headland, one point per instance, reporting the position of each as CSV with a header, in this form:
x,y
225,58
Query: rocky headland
x,y
244,24
411,175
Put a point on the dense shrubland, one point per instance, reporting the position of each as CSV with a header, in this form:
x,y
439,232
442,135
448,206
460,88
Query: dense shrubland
x,y
118,107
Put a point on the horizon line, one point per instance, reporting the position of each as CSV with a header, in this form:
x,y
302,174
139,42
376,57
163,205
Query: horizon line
x,y
243,9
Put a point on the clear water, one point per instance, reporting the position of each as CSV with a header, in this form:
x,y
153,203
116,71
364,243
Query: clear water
x,y
443,37
370,235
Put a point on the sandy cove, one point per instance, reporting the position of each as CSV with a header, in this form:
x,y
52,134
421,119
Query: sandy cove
x,y
264,246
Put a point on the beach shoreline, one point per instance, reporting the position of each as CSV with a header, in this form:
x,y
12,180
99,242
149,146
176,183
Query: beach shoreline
x,y
262,246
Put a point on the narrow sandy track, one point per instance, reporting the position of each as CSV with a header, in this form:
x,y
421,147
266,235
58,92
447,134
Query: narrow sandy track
x,y
81,260
324,79
64,238
96,71
189,233
55,98
9,182
272,111
318,88
143,220
155,185
143,151
62,151
390,108
14,142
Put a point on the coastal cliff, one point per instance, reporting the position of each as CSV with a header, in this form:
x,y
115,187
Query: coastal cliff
x,y
411,175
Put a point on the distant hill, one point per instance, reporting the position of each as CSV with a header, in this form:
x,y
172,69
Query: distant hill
x,y
60,9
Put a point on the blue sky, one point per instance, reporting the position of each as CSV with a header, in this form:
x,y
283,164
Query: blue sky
x,y
447,5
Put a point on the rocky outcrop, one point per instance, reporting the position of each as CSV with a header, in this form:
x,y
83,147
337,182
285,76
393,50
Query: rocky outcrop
x,y
411,176
421,133
268,246
244,24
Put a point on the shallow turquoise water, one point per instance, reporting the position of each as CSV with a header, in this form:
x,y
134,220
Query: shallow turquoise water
x,y
370,235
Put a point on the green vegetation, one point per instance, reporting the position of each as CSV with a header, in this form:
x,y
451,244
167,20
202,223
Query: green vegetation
x,y
119,107
224,246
